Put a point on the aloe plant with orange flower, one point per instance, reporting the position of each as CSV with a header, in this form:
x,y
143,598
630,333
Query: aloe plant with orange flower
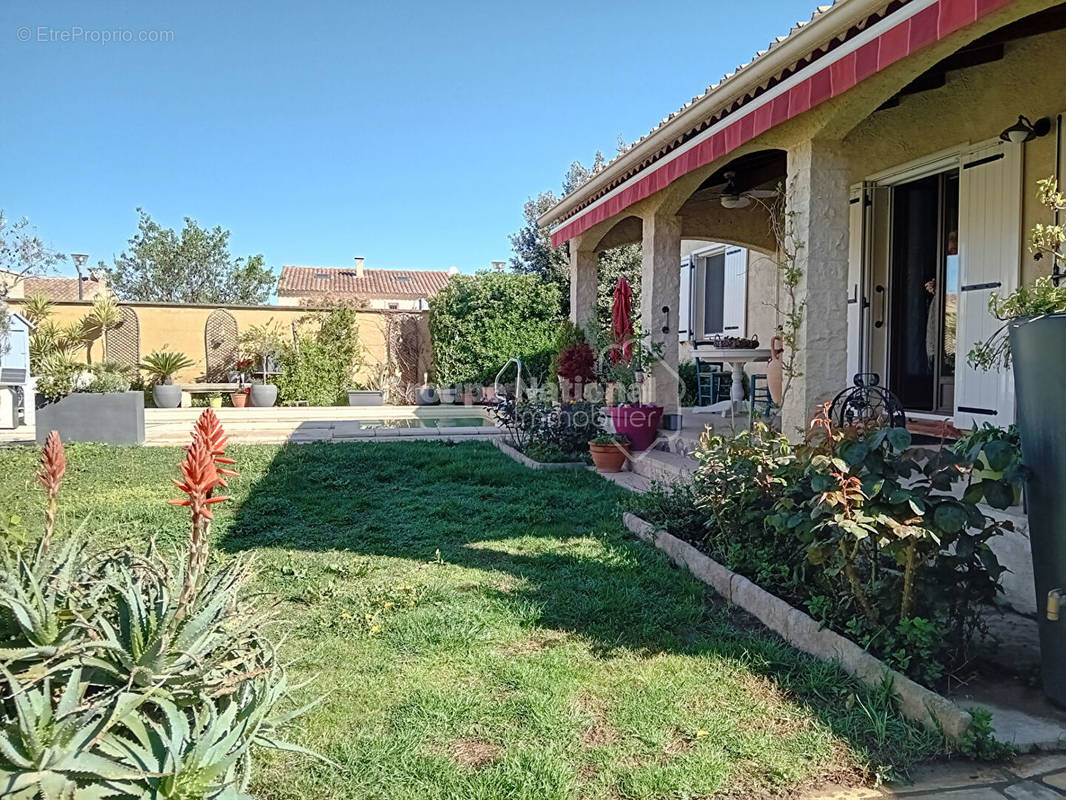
x,y
134,674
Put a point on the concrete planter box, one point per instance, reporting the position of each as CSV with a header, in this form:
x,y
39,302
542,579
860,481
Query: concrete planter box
x,y
525,460
363,397
87,417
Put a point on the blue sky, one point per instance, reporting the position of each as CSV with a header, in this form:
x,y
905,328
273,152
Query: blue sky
x,y
410,133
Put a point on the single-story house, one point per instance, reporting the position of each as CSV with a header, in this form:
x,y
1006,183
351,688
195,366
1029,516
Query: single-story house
x,y
883,122
386,289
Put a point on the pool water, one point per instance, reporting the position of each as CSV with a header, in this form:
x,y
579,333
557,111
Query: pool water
x,y
426,422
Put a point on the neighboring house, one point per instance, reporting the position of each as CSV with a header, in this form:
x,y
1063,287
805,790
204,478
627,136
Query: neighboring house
x,y
58,290
387,289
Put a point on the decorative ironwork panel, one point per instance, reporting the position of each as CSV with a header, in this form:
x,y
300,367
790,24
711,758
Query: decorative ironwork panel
x,y
867,402
220,344
124,340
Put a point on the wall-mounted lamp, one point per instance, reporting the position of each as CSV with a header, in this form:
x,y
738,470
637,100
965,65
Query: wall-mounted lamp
x,y
1024,130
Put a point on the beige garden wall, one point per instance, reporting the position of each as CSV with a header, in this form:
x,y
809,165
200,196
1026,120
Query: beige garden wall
x,y
182,328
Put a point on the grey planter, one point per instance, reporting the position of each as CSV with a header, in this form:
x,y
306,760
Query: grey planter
x,y
262,395
88,417
1039,374
448,396
166,395
427,396
362,397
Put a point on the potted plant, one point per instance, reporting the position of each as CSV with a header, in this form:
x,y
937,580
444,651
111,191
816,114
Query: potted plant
x,y
243,367
996,454
215,399
1032,341
638,421
88,405
609,451
266,342
373,390
161,366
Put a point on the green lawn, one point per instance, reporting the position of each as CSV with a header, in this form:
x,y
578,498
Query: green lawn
x,y
479,630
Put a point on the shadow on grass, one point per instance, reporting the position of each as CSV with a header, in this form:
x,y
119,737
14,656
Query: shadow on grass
x,y
482,511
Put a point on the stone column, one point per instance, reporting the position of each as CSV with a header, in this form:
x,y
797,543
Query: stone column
x,y
818,201
583,282
660,288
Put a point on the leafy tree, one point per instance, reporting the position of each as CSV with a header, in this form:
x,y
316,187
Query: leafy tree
x,y
478,322
22,253
194,266
534,254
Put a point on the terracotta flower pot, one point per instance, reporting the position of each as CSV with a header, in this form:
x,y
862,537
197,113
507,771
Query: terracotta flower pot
x,y
239,399
609,457
640,424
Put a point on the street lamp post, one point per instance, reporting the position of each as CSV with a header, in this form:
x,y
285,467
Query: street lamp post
x,y
79,260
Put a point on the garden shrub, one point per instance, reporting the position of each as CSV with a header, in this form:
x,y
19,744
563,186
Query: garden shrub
x,y
319,365
478,322
855,526
133,675
549,432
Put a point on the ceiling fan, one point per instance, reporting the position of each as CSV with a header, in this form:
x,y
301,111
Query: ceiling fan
x,y
731,196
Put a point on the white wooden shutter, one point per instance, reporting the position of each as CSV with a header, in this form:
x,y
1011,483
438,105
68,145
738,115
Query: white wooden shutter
x,y
684,304
735,294
855,284
990,222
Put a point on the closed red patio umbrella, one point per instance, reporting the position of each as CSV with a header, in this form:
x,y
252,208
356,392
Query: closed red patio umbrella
x,y
622,323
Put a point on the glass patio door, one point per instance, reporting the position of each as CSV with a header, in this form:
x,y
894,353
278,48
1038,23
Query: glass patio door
x,y
924,277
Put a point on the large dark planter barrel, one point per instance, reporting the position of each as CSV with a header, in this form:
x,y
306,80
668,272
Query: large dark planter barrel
x,y
1037,351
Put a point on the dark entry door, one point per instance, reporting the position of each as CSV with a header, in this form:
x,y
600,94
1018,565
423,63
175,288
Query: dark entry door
x,y
924,292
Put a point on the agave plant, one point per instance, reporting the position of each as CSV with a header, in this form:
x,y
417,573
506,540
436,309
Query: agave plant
x,y
57,745
150,639
133,677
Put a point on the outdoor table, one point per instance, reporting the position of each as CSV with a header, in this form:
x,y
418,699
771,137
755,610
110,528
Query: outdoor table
x,y
736,359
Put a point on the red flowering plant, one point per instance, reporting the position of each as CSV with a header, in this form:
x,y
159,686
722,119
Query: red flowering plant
x,y
574,363
168,652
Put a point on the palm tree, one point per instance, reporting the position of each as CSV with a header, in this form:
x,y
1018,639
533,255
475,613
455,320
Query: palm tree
x,y
104,316
37,308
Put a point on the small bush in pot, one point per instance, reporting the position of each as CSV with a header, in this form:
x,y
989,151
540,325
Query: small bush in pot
x,y
609,451
266,342
162,366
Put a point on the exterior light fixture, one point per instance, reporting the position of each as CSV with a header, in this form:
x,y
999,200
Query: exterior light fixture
x,y
1024,130
79,260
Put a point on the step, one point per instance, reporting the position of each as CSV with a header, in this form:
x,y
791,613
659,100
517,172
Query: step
x,y
663,466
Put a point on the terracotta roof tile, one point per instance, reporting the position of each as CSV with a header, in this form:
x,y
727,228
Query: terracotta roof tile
x,y
375,283
700,125
62,289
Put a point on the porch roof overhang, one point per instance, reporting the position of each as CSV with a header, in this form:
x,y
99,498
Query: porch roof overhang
x,y
841,46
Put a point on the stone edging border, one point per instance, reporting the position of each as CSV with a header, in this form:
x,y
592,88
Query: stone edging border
x,y
525,460
915,702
